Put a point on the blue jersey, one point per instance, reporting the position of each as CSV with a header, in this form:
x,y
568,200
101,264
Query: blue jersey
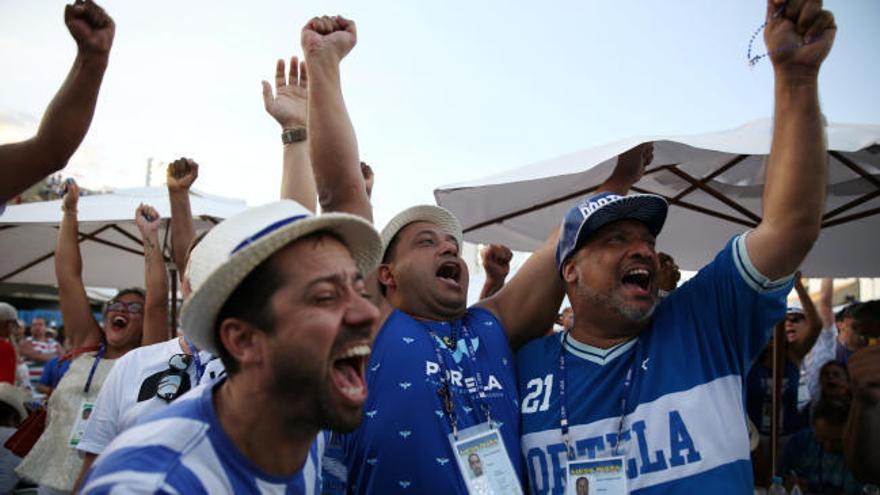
x,y
53,371
183,449
402,444
681,424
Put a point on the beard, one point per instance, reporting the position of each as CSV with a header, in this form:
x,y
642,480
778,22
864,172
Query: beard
x,y
617,304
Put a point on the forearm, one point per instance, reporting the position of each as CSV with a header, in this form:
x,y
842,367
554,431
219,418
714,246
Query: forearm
x,y
861,438
814,323
182,227
794,190
332,143
490,287
156,283
297,177
88,460
68,261
825,306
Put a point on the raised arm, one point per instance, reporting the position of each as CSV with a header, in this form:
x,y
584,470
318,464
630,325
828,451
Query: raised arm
x,y
800,347
527,306
332,142
69,114
798,40
496,261
180,176
825,306
155,277
79,324
289,107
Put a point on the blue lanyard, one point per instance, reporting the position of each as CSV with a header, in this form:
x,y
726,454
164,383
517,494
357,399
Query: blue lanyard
x,y
624,395
445,391
94,368
197,361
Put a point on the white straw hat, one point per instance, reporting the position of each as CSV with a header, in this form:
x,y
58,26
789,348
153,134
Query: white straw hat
x,y
11,395
232,249
440,217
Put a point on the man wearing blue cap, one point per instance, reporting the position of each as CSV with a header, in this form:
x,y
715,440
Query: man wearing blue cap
x,y
655,389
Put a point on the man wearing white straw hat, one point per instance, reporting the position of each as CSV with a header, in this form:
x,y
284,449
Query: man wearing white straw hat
x,y
441,374
278,294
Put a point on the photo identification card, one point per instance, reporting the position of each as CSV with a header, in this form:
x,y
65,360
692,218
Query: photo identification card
x,y
484,463
79,425
605,476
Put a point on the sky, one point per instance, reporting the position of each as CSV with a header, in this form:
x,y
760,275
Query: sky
x,y
439,92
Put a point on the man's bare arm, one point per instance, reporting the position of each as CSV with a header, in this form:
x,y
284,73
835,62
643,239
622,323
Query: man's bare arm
x,y
179,177
69,114
825,305
332,142
798,38
155,278
803,344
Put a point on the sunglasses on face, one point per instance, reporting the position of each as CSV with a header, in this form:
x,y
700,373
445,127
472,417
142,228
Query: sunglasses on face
x,y
794,318
134,308
175,381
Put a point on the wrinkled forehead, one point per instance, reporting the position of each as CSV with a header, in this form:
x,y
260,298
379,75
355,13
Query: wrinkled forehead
x,y
414,229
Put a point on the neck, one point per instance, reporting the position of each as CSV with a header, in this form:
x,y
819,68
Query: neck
x,y
116,352
181,341
604,336
253,420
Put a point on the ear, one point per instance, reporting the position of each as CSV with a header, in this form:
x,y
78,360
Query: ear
x,y
386,276
243,341
569,272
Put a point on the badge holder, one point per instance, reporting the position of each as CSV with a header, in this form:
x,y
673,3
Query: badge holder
x,y
606,475
483,461
82,420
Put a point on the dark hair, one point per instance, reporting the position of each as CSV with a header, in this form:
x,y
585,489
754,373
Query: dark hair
x,y
388,257
866,311
251,301
834,411
845,312
833,362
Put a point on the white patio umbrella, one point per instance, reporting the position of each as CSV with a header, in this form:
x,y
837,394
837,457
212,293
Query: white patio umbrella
x,y
713,183
110,242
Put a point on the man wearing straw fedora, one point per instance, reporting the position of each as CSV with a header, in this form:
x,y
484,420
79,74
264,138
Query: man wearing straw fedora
x,y
278,294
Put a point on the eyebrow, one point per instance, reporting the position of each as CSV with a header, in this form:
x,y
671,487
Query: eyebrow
x,y
335,279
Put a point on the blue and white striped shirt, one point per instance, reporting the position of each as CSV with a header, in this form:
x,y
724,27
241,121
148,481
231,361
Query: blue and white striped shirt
x,y
183,449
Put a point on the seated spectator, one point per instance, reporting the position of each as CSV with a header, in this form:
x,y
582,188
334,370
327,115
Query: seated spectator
x,y
38,349
67,119
12,412
813,458
8,326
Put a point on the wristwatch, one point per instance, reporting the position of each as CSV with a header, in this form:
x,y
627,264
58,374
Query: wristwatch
x,y
294,135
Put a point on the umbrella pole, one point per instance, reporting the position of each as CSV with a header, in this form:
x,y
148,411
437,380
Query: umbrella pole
x,y
173,326
778,371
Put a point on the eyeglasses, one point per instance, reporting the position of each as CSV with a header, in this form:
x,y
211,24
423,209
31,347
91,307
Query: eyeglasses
x,y
134,308
794,318
175,381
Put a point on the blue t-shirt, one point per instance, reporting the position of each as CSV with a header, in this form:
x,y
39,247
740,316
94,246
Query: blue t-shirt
x,y
684,427
823,472
183,449
52,372
759,399
402,444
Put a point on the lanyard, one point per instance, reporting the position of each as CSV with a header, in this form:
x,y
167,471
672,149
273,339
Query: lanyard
x,y
563,409
445,391
197,361
94,368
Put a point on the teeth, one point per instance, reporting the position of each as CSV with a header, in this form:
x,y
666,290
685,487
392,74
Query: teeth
x,y
353,391
638,271
358,350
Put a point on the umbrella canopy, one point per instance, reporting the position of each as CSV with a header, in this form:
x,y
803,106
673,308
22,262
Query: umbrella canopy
x,y
110,242
713,183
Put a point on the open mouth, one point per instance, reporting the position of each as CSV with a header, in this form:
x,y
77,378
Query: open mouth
x,y
348,373
637,279
119,322
450,272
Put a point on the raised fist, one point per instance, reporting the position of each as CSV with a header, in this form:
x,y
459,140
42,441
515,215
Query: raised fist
x,y
496,261
147,219
328,37
181,174
799,34
369,177
90,26
289,106
71,195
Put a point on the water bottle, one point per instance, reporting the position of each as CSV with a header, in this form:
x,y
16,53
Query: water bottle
x,y
776,487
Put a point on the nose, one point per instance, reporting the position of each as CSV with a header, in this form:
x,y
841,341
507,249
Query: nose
x,y
643,248
449,246
361,313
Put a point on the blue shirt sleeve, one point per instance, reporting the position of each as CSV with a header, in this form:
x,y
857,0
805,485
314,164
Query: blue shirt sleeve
x,y
48,376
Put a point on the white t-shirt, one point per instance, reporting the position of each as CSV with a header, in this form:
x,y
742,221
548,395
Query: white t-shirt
x,y
117,407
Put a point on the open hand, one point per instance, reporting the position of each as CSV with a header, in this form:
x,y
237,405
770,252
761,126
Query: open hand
x,y
147,219
328,37
289,106
90,26
181,174
799,34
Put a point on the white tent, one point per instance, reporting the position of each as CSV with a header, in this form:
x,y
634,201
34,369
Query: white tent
x,y
110,242
713,182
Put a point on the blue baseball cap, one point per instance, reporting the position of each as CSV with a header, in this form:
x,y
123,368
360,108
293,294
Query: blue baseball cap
x,y
591,213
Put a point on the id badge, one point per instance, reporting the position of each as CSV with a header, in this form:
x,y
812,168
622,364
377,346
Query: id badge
x,y
79,425
605,475
483,461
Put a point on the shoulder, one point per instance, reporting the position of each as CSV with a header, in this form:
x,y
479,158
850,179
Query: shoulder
x,y
535,354
482,319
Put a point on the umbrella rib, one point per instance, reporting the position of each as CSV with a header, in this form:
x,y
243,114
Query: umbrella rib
x,y
699,209
852,204
25,267
854,216
712,192
855,168
720,170
530,209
